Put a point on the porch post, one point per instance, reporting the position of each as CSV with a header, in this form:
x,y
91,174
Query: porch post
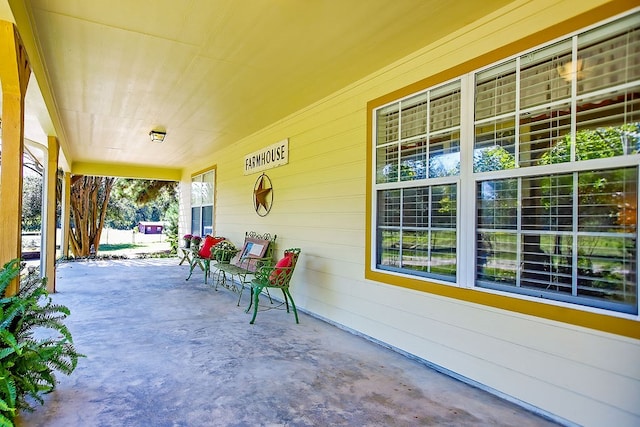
x,y
14,77
65,214
48,252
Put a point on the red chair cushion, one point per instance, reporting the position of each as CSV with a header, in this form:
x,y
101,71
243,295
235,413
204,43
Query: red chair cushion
x,y
286,261
209,242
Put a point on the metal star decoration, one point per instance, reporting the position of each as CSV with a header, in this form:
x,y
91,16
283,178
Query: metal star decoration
x,y
261,193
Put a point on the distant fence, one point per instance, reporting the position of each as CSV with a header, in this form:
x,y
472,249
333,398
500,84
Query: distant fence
x,y
31,239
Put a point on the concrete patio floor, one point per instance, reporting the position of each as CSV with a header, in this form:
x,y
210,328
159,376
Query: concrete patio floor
x,y
165,352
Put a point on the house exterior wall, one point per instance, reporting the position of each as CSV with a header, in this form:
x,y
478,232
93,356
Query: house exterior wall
x,y
573,373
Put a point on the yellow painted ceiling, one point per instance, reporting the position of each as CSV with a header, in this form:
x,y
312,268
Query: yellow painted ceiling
x,y
208,71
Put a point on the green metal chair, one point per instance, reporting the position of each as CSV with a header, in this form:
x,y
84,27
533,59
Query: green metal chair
x,y
201,256
275,276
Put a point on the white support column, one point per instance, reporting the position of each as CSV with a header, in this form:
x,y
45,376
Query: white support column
x,y
48,246
65,215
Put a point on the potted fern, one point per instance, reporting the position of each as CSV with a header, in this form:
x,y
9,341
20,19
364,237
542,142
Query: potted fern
x,y
27,362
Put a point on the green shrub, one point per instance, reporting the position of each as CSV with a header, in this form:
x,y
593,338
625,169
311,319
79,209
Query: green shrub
x,y
34,342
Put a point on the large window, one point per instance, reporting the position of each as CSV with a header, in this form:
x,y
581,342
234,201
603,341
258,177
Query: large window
x,y
548,163
202,203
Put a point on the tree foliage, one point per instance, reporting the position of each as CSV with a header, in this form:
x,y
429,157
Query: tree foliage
x,y
135,200
596,144
493,159
31,202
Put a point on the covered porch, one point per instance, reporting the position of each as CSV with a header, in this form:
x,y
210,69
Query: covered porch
x,y
165,352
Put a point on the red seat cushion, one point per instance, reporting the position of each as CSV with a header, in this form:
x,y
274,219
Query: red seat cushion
x,y
209,242
286,261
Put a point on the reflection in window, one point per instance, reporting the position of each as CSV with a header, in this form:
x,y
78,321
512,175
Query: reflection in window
x,y
417,230
202,203
574,236
554,140
419,138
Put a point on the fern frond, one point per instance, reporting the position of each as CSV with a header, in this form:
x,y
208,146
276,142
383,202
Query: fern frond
x,y
28,364
9,339
9,272
4,421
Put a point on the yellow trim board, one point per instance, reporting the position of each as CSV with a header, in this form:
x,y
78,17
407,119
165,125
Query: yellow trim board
x,y
601,322
126,171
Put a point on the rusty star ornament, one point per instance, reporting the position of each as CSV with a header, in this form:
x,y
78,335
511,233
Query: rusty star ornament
x,y
262,195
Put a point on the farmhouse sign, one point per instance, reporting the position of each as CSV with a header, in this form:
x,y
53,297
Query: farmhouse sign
x,y
269,157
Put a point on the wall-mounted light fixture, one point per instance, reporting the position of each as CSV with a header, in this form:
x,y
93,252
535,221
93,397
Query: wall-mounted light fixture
x,y
571,68
157,135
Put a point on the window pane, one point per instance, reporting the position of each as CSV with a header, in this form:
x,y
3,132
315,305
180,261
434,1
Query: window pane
x,y
387,124
207,188
547,203
608,125
431,253
387,164
496,259
196,194
414,116
415,250
413,162
389,208
495,146
415,207
444,154
586,256
195,221
609,55
496,91
497,203
606,268
443,261
547,262
607,200
444,107
417,230
541,75
540,131
443,206
207,220
389,248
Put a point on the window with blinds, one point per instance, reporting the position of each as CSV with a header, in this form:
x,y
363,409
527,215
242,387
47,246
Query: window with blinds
x,y
554,142
561,235
202,203
418,140
417,230
570,237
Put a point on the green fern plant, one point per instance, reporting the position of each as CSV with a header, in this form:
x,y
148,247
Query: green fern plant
x,y
34,343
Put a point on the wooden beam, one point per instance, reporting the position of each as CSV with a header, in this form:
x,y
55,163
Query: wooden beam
x,y
14,77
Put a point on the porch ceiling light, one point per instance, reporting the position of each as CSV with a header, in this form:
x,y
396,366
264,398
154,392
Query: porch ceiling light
x,y
157,135
570,69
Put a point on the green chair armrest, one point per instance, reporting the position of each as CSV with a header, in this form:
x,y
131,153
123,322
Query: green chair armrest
x,y
273,277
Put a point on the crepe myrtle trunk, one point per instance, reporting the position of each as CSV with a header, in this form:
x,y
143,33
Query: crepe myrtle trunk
x,y
88,203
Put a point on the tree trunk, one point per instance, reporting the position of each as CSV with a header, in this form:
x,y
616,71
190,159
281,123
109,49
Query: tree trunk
x,y
89,199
